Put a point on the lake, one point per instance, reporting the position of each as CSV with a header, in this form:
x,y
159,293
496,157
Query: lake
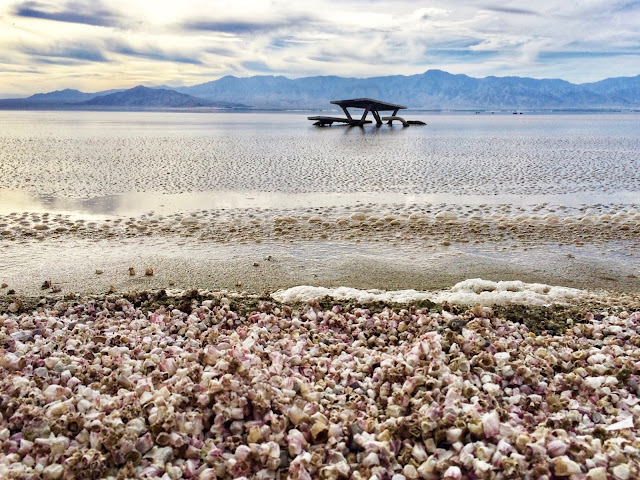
x,y
108,162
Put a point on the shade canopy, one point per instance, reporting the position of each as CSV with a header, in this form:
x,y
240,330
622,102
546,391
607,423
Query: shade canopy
x,y
369,103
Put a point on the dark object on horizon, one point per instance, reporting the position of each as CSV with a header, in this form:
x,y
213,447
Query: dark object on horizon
x,y
368,105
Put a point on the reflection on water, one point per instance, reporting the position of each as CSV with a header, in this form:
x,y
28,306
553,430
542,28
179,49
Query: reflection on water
x,y
137,203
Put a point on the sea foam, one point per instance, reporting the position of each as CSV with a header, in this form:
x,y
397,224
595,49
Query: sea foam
x,y
467,292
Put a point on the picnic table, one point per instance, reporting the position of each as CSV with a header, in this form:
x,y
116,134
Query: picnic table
x,y
368,105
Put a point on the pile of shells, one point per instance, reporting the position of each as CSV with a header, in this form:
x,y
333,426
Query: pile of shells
x,y
113,387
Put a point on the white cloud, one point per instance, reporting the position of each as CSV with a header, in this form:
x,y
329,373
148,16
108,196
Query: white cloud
x,y
125,42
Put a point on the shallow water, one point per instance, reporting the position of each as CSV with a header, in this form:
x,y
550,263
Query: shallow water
x,y
138,203
108,161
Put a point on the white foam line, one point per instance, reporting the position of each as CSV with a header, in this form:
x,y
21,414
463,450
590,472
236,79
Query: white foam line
x,y
468,292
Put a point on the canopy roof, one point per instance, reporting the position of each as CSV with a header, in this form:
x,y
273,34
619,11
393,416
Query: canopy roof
x,y
367,102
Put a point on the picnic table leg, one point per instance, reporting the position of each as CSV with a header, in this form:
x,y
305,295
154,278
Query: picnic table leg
x,y
364,116
346,112
376,115
395,112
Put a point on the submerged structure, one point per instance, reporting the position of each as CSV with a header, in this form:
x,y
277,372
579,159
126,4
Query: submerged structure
x,y
368,105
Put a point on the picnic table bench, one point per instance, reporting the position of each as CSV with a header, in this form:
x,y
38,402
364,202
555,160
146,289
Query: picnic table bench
x,y
368,105
322,121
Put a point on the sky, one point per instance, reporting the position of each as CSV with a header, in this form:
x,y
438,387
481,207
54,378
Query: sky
x,y
94,45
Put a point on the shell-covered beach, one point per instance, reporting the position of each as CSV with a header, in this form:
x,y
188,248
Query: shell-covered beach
x,y
187,297
215,385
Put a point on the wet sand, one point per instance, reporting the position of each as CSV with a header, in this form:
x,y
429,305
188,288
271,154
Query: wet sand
x,y
396,246
266,267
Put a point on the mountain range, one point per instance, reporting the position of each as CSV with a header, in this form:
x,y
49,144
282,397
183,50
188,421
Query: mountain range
x,y
139,97
432,90
154,98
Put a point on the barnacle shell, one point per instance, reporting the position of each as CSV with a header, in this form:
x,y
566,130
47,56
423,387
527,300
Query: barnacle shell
x,y
371,460
564,467
320,432
193,387
453,473
621,472
53,472
599,473
556,448
297,415
491,424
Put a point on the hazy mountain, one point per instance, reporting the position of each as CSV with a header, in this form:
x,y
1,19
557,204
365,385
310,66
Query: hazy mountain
x,y
67,96
625,88
137,97
52,99
433,89
147,97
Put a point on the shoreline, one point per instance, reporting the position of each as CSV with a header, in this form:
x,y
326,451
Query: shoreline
x,y
390,247
84,266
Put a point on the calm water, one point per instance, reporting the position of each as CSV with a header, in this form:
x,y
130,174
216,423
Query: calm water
x,y
125,162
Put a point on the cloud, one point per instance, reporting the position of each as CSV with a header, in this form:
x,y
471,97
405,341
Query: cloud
x,y
152,53
633,5
257,66
88,13
69,62
49,53
364,57
12,70
515,11
560,55
225,52
461,54
183,42
248,27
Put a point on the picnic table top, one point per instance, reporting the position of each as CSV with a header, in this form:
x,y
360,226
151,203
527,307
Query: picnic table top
x,y
367,102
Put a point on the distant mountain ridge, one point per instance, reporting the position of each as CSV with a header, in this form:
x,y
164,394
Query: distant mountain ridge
x,y
66,95
434,89
141,96
133,98
58,97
